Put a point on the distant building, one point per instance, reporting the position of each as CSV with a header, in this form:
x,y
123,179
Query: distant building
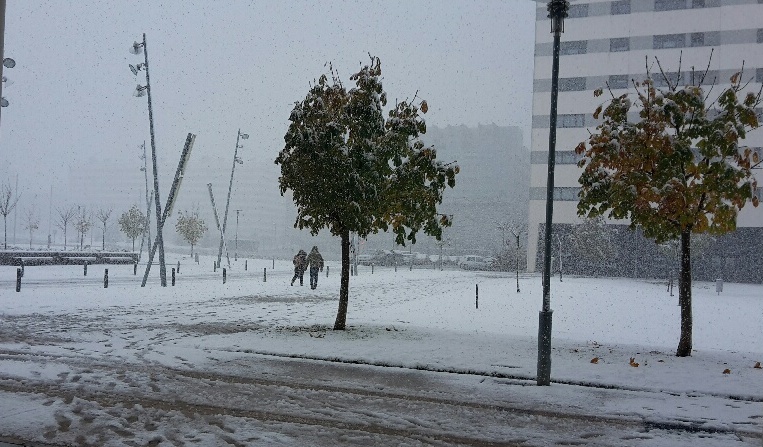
x,y
608,42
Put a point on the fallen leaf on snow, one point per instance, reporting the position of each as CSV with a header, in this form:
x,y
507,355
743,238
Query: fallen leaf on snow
x,y
726,371
595,360
633,363
757,365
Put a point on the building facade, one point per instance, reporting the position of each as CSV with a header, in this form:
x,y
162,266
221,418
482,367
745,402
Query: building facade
x,y
609,43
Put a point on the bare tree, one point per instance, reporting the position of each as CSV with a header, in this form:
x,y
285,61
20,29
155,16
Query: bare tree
x,y
103,215
32,222
82,224
8,200
64,216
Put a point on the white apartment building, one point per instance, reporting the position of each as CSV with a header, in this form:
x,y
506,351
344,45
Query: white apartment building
x,y
610,41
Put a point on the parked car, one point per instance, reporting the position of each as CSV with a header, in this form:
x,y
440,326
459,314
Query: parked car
x,y
473,262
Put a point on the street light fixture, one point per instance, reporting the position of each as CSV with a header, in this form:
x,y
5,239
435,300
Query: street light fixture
x,y
240,136
557,11
136,49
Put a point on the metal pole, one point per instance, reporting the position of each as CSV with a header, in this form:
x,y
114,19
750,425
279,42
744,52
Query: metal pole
x,y
2,43
227,204
558,10
235,255
159,238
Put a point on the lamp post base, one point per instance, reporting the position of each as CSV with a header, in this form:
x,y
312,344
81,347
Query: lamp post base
x,y
544,348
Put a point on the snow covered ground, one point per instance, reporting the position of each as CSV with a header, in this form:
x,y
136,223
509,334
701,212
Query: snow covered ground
x,y
255,362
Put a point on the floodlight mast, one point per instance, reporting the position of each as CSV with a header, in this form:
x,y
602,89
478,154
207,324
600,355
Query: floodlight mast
x,y
239,136
2,57
135,49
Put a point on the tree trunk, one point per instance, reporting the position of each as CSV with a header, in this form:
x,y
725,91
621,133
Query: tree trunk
x,y
64,237
191,250
133,244
684,296
344,288
5,226
103,238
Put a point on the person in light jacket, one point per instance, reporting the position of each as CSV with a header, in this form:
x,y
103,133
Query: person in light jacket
x,y
315,260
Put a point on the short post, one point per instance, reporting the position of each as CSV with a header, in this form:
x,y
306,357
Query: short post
x,y
106,279
196,258
173,277
372,268
327,271
476,296
178,267
246,264
225,275
395,265
18,279
274,263
214,265
135,268
265,274
85,268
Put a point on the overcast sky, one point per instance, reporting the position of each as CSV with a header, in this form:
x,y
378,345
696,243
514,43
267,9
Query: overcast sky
x,y
217,66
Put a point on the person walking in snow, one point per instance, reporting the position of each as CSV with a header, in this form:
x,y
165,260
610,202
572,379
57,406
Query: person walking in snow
x,y
315,260
300,265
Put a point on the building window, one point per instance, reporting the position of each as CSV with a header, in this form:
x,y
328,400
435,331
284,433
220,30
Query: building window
x,y
619,44
571,120
577,11
661,80
571,84
697,39
669,5
669,41
574,47
618,81
620,7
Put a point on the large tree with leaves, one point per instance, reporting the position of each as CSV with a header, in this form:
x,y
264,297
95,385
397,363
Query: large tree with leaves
x,y
351,170
676,170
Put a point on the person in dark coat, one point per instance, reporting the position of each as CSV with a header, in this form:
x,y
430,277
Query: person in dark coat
x,y
300,265
315,260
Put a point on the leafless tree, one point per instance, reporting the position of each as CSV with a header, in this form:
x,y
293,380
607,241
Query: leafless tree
x,y
64,216
82,223
8,200
103,216
32,222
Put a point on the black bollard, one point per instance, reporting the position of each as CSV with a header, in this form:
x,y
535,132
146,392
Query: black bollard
x,y
18,280
327,271
225,275
135,269
265,274
274,263
85,268
246,264
214,265
477,296
173,277
372,268
178,267
106,279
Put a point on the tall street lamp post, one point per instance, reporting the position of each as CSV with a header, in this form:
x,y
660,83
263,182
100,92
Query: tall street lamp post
x,y
139,91
240,136
557,11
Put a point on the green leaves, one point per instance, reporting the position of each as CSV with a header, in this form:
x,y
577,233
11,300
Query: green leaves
x,y
351,169
678,168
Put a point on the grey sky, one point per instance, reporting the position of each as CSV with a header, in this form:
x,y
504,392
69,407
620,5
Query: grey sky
x,y
217,66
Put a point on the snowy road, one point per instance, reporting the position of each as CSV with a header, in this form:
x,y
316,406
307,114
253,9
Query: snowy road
x,y
299,402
